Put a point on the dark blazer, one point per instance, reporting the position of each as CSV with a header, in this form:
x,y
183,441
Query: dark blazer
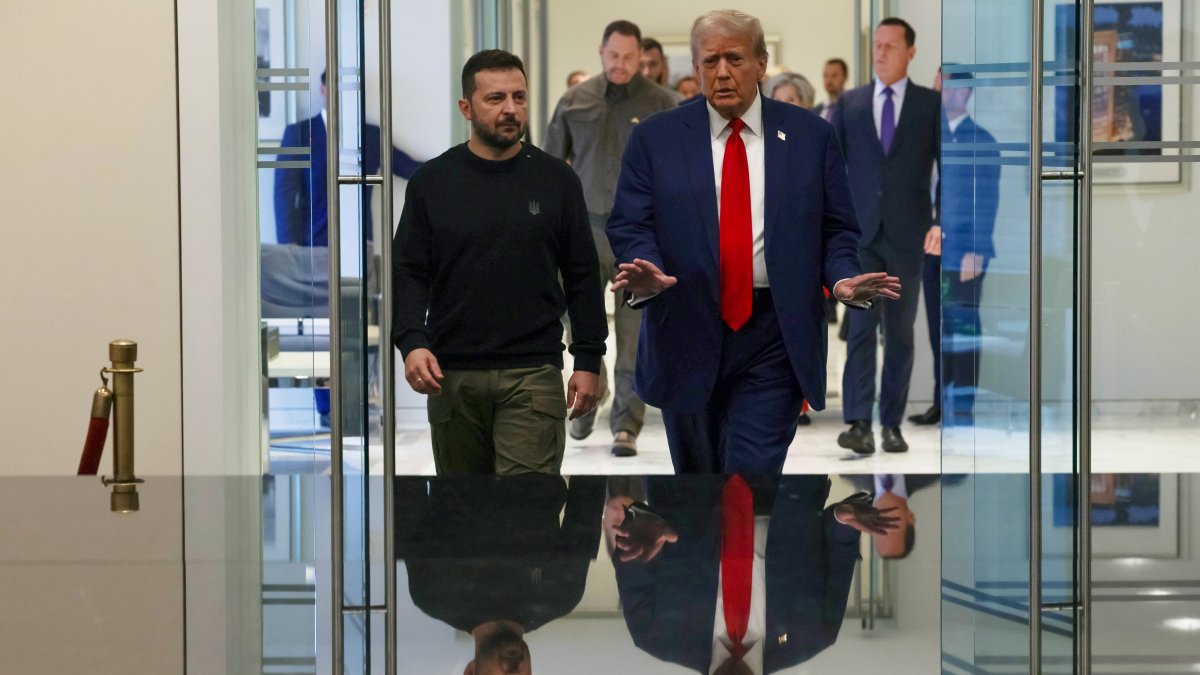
x,y
891,193
970,193
481,548
301,208
670,602
665,211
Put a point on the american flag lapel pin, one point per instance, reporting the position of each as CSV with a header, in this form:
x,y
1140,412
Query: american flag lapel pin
x,y
782,136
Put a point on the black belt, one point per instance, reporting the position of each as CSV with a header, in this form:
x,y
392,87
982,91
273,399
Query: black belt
x,y
762,302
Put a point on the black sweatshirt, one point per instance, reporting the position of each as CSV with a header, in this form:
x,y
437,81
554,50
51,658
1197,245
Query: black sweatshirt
x,y
480,247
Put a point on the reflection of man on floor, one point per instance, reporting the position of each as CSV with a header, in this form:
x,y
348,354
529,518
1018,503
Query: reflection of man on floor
x,y
735,575
490,557
301,209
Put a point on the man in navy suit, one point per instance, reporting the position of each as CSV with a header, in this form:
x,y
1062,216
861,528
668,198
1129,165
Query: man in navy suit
x,y
889,131
675,560
731,214
301,211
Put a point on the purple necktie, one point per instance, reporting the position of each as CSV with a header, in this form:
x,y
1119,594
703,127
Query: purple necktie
x,y
887,125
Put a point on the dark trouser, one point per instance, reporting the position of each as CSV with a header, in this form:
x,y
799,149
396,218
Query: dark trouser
x,y
960,335
931,289
499,421
897,318
751,417
628,411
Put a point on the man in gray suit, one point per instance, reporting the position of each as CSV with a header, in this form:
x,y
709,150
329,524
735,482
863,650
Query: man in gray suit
x,y
890,132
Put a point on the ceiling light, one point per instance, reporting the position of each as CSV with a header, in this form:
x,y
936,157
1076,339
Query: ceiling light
x,y
1186,623
1157,591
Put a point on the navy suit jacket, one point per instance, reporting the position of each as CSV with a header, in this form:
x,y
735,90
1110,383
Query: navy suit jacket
x,y
892,193
970,194
665,211
670,602
301,209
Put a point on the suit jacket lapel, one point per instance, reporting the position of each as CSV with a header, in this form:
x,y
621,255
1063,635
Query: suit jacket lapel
x,y
697,148
775,151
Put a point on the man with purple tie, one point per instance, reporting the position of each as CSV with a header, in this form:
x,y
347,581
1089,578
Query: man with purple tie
x,y
890,133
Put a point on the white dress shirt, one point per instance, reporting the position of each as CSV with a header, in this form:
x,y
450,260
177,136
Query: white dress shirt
x,y
752,137
898,90
956,122
756,628
899,488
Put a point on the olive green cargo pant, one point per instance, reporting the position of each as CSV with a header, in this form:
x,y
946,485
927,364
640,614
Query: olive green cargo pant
x,y
499,421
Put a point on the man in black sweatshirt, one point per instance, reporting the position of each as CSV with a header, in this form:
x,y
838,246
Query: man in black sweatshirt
x,y
488,229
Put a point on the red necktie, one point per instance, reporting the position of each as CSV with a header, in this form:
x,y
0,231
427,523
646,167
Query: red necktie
x,y
737,238
737,559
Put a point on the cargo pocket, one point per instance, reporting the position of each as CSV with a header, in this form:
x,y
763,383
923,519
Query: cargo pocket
x,y
551,430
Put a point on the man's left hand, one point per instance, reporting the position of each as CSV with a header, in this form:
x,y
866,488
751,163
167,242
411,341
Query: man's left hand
x,y
583,390
864,287
972,267
933,241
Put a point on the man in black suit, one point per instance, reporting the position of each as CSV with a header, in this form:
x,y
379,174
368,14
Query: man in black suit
x,y
489,555
890,135
674,572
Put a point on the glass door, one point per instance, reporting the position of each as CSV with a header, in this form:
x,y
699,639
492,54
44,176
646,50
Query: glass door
x,y
1011,193
323,154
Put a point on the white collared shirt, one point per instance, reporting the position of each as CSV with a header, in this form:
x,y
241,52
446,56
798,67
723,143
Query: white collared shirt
x,y
756,628
752,137
898,90
899,488
956,122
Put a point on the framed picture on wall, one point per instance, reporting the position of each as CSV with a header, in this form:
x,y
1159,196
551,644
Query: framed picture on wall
x,y
1133,514
1128,120
678,52
269,52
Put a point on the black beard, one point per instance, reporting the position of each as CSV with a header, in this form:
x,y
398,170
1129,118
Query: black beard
x,y
494,140
505,646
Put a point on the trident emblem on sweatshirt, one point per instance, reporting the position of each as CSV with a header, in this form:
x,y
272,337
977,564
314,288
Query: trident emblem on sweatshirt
x,y
534,207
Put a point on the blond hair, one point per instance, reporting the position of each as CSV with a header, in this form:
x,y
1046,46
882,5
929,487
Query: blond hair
x,y
729,22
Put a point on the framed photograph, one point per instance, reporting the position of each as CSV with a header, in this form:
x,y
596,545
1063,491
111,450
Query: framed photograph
x,y
1133,514
1138,114
678,52
269,52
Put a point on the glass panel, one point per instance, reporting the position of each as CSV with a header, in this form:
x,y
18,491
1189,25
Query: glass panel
x,y
296,288
985,360
1144,375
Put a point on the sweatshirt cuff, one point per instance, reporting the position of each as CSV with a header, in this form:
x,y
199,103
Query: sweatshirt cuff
x,y
588,363
411,341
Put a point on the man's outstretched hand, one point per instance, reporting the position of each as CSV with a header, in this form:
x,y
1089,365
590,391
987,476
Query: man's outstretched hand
x,y
642,279
866,287
859,512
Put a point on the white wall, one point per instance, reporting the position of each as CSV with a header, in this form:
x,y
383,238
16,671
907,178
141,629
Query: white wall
x,y
89,187
811,31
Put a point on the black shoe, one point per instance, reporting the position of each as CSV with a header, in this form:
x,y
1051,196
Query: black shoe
x,y
804,420
893,441
858,438
931,416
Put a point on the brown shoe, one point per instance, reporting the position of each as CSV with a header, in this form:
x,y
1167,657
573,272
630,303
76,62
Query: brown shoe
x,y
624,444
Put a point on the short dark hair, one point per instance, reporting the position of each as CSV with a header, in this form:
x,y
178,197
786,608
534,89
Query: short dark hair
x,y
840,63
323,77
910,35
626,28
488,59
649,44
